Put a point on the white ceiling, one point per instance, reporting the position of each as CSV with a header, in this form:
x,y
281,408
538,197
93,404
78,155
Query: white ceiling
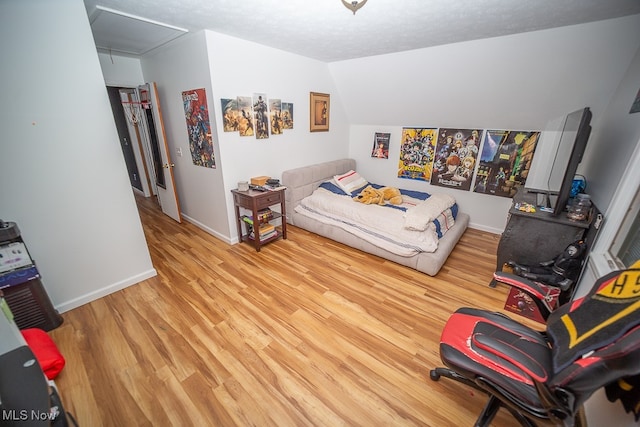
x,y
328,31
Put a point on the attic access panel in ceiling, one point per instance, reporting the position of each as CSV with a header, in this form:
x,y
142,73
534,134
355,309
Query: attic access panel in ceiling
x,y
120,32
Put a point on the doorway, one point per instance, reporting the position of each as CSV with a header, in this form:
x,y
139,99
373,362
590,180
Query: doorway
x,y
124,137
138,118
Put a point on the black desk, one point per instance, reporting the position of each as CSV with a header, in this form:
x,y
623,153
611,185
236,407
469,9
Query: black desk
x,y
534,237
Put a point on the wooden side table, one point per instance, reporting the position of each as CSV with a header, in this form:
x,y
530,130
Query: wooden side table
x,y
255,201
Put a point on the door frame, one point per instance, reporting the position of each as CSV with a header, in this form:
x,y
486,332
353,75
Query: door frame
x,y
155,142
129,95
141,104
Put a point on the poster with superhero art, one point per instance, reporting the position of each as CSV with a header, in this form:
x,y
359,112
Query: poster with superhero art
x,y
245,116
196,113
455,158
261,115
275,116
287,115
505,161
230,114
416,153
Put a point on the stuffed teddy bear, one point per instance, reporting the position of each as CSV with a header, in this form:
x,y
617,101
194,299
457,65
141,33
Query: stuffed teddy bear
x,y
370,195
392,195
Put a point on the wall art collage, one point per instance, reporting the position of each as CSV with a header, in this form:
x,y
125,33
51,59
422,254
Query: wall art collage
x,y
256,115
460,159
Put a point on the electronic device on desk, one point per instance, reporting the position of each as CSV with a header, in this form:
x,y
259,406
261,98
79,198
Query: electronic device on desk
x,y
258,187
274,185
269,185
564,141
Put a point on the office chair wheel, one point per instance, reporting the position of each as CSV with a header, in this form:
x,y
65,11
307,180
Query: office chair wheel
x,y
434,375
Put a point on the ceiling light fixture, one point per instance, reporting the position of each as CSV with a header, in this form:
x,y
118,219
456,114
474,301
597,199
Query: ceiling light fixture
x,y
354,5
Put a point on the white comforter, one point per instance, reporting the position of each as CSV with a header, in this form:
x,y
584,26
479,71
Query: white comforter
x,y
379,225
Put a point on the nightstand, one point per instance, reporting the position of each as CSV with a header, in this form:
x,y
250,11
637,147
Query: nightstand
x,y
257,202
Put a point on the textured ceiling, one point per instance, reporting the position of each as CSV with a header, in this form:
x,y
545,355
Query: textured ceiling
x,y
328,31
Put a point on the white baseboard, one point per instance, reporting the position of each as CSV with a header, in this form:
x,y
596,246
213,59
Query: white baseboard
x,y
211,231
485,228
92,296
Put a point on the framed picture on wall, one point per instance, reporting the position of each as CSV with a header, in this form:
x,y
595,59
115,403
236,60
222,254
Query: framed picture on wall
x,y
381,145
319,112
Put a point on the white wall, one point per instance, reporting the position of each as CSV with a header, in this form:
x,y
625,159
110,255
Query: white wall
x,y
121,71
179,66
228,67
243,68
518,82
64,179
617,138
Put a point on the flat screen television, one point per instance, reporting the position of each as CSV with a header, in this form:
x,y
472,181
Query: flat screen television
x,y
554,166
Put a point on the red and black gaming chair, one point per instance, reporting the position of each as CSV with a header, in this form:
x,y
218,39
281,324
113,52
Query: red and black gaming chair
x,y
589,343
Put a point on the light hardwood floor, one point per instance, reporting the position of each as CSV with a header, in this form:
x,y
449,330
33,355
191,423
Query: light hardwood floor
x,y
308,332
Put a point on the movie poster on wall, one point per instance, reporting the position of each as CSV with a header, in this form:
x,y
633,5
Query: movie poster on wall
x,y
505,161
196,114
380,148
229,114
417,153
275,116
261,115
245,116
455,158
287,115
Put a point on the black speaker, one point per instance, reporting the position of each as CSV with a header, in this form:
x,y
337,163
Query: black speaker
x,y
31,306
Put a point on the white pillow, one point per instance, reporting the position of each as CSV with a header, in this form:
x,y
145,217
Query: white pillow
x,y
350,181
